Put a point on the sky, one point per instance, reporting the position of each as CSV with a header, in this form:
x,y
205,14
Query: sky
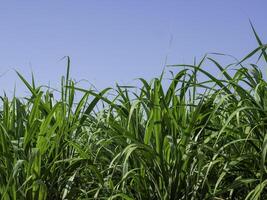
x,y
117,41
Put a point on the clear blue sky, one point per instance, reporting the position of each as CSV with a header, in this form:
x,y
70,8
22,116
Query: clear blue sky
x,y
119,40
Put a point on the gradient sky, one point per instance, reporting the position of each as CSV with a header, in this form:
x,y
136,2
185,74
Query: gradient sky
x,y
119,40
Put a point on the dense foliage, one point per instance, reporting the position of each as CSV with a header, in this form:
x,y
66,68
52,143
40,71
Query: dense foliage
x,y
192,140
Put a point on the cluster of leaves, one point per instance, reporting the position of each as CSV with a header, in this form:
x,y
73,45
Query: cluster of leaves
x,y
193,140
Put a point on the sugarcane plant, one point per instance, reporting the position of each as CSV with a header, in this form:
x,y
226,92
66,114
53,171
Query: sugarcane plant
x,y
193,136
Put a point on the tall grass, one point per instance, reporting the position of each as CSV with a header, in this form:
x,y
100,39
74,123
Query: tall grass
x,y
193,140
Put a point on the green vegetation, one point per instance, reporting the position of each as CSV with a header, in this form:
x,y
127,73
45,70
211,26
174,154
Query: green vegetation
x,y
193,140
